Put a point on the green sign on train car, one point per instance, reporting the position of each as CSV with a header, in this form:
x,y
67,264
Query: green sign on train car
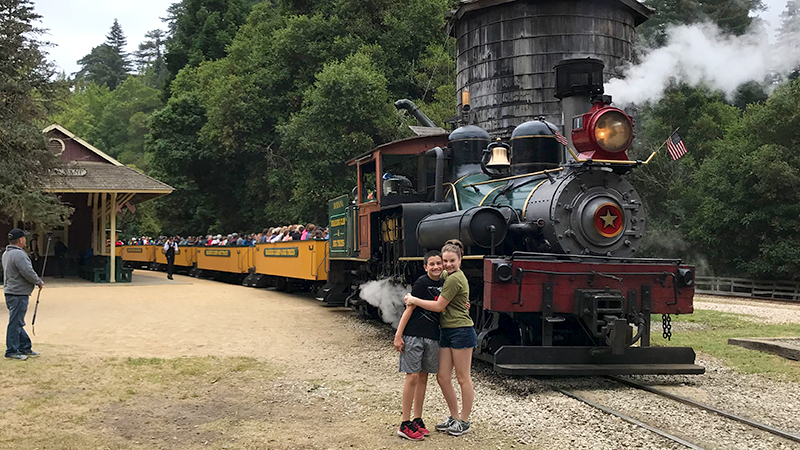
x,y
134,250
286,252
337,210
217,252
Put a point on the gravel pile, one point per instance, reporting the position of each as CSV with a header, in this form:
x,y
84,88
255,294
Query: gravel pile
x,y
762,310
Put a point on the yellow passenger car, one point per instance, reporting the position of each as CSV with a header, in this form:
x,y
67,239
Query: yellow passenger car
x,y
138,255
302,260
235,260
184,257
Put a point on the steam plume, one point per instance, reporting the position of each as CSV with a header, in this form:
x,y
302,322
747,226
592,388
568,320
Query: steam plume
x,y
387,297
701,53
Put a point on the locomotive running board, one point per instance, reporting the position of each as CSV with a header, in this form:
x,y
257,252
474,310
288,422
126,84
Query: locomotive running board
x,y
559,361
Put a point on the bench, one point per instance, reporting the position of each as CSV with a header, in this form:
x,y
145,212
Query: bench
x,y
100,268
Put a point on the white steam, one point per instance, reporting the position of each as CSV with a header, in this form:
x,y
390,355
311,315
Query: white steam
x,y
387,297
701,53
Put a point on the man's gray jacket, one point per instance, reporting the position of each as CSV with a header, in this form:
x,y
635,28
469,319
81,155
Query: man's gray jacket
x,y
19,277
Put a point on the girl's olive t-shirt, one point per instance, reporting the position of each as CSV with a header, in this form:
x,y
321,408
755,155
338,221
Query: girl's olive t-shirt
x,y
456,289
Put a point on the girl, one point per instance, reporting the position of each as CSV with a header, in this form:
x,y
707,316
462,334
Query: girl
x,y
458,338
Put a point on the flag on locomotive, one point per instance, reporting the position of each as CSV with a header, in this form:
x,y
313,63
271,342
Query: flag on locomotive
x,y
675,146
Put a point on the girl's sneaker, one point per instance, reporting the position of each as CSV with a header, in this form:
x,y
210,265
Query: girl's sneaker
x,y
458,428
421,426
446,424
408,430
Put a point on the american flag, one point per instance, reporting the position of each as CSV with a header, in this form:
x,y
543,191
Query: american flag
x,y
675,146
561,138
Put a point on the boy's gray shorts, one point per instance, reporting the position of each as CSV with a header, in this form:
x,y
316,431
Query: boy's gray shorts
x,y
419,355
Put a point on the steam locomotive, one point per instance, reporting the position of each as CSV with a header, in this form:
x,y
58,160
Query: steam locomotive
x,y
551,240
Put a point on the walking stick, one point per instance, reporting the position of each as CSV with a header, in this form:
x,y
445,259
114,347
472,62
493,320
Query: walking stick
x,y
36,309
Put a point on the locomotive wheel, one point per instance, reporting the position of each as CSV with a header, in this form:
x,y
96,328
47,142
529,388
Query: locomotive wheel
x,y
374,313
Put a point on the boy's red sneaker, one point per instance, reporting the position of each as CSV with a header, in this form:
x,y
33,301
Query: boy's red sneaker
x,y
421,426
408,430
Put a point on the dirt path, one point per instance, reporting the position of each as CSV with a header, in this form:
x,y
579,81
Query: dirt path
x,y
338,385
193,364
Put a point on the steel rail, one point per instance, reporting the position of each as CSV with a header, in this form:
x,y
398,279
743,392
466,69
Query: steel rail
x,y
690,402
629,419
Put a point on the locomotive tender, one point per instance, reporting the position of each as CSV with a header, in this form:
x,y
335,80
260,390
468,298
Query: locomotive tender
x,y
555,286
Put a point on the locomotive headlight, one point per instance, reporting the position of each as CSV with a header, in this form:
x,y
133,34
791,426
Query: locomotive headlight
x,y
503,272
613,131
604,132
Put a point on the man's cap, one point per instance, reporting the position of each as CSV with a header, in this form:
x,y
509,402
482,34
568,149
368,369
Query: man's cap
x,y
16,233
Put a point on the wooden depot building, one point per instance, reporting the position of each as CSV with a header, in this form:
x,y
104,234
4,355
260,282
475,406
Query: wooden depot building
x,y
99,187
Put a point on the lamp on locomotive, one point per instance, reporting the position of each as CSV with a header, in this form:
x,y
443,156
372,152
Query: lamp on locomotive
x,y
604,132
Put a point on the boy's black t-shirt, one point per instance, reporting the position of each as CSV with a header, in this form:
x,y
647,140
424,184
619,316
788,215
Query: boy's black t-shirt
x,y
424,323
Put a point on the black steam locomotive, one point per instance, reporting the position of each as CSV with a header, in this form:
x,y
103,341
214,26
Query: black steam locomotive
x,y
551,239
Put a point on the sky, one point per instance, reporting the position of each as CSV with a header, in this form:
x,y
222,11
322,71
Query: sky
x,y
76,26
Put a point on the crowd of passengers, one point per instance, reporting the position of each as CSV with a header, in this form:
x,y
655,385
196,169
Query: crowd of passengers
x,y
276,234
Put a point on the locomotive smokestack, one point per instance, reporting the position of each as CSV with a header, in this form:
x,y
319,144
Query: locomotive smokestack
x,y
578,81
409,106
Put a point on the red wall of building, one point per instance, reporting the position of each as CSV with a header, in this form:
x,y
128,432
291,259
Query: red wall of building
x,y
72,150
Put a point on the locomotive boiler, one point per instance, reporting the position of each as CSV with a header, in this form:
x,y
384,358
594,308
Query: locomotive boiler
x,y
556,287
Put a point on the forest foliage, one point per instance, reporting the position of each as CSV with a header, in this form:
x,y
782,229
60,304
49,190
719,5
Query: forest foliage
x,y
250,109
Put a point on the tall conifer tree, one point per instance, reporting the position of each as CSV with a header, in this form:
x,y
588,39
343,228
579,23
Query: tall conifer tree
x,y
27,91
107,63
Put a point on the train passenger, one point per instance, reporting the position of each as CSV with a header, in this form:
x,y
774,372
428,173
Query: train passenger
x,y
458,338
308,230
279,235
297,232
417,340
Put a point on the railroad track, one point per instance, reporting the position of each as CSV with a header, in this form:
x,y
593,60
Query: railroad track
x,y
684,400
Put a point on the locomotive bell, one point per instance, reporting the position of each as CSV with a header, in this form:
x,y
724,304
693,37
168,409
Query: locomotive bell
x,y
499,156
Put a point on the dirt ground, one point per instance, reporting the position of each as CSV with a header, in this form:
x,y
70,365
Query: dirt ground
x,y
262,369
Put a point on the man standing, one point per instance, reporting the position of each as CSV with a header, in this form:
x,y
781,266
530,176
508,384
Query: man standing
x,y
60,254
18,285
170,247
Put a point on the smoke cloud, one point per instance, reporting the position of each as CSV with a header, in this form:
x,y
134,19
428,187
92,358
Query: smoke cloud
x,y
387,297
701,53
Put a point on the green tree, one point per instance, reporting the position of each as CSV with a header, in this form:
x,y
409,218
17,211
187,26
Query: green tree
x,y
81,111
150,56
28,92
200,30
116,121
746,197
345,113
107,63
244,171
701,117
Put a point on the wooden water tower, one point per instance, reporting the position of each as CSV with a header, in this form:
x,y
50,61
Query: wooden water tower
x,y
506,51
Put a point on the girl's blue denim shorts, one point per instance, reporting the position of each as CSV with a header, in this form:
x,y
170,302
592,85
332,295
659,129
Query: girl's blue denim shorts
x,y
458,338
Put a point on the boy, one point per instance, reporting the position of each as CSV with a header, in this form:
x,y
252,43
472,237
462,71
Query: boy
x,y
417,340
